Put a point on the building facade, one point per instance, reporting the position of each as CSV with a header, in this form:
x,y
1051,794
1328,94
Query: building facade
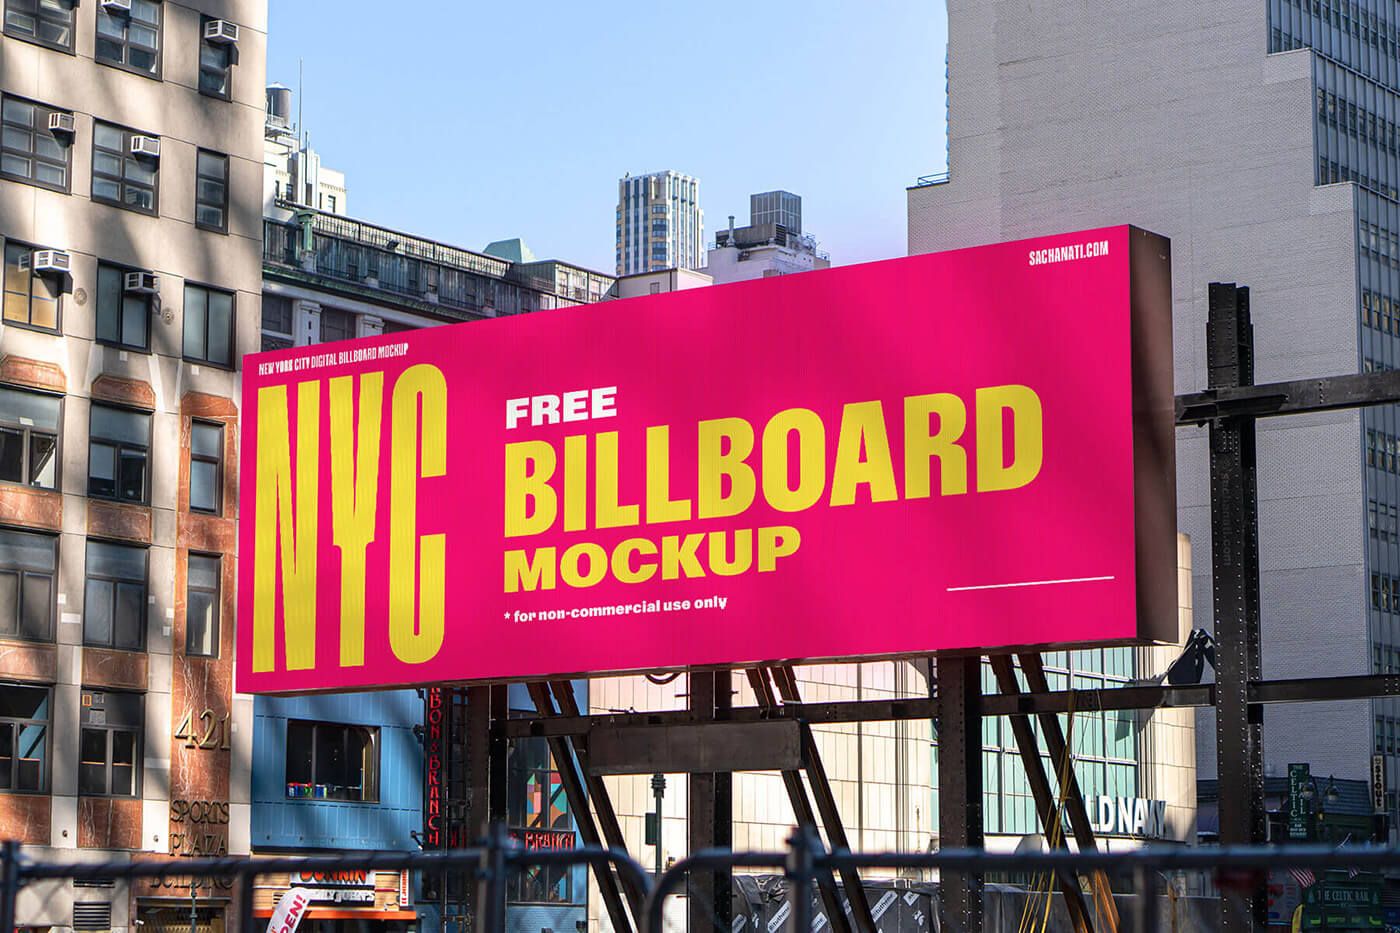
x,y
292,170
656,283
1269,160
339,773
772,244
659,223
130,188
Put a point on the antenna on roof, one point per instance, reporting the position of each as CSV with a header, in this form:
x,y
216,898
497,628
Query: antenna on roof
x,y
301,98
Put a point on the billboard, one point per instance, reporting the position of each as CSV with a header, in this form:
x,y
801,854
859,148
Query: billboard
x,y
965,451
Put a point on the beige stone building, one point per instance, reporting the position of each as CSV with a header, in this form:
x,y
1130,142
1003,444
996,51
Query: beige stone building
x,y
130,212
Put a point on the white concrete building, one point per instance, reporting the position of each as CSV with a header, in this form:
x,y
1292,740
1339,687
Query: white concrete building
x,y
293,172
772,244
656,283
1213,124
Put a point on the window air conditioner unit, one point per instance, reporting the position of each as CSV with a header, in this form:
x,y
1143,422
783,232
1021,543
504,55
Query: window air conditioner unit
x,y
61,123
148,146
49,260
117,6
145,283
221,32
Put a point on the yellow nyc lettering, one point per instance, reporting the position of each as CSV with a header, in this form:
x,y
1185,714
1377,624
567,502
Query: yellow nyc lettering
x,y
286,533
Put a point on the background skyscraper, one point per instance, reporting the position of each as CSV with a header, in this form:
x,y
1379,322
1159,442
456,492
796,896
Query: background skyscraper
x,y
659,223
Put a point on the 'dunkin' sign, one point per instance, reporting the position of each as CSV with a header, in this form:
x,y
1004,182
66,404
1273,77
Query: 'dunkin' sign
x,y
970,450
336,887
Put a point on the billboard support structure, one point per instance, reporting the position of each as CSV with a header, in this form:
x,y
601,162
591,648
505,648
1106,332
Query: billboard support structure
x,y
1033,669
1234,523
786,682
960,826
571,762
802,806
710,816
1051,815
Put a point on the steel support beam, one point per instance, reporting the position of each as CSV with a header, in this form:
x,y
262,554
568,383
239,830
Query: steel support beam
x,y
1235,586
1033,669
571,776
1329,393
600,798
960,785
786,682
1045,803
486,763
1036,702
801,806
710,821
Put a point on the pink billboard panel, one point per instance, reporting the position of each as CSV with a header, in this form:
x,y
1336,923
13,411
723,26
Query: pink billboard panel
x,y
964,451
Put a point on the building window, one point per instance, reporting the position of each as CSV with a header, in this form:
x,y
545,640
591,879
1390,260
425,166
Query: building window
x,y
336,325
28,564
29,424
123,317
208,325
110,744
119,447
47,22
215,65
206,473
202,607
24,738
114,596
332,761
130,40
211,191
31,299
277,323
29,150
330,203
118,177
537,805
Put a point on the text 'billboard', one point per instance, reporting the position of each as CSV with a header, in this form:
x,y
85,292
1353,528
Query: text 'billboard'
x,y
965,450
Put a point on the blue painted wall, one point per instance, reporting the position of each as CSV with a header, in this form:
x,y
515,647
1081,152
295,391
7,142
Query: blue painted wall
x,y
283,823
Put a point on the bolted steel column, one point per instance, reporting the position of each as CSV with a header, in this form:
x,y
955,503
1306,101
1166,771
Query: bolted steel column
x,y
710,812
960,785
1234,533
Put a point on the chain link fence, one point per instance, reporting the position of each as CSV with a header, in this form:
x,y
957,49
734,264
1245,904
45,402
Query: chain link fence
x,y
798,890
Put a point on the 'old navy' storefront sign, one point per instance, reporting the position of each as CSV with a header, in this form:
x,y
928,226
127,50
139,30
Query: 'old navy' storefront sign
x,y
1129,816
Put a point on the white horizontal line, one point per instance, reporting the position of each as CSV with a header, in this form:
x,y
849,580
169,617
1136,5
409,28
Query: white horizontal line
x,y
1002,586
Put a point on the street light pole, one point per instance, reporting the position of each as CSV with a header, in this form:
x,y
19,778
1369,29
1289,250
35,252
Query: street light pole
x,y
194,912
658,788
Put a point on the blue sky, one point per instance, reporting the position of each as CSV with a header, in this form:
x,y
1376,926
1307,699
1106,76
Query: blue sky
x,y
468,122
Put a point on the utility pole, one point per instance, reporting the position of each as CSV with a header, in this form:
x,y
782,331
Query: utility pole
x,y
658,789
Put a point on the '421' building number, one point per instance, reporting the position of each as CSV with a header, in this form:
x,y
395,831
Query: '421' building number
x,y
207,730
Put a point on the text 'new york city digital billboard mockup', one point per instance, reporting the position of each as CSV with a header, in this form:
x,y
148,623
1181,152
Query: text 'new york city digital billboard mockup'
x,y
965,451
